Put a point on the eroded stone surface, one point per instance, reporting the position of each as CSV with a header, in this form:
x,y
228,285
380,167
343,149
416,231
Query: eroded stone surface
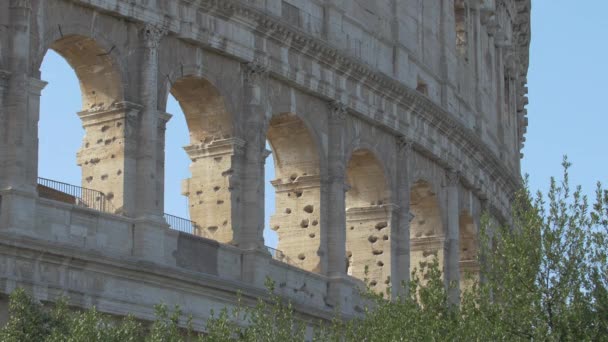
x,y
337,89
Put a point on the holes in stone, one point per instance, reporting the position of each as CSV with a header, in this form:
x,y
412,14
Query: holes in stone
x,y
217,159
99,141
287,211
119,172
381,225
199,192
385,237
349,254
112,156
86,145
89,179
429,253
304,223
418,234
380,263
309,209
216,188
110,196
373,283
104,177
315,222
299,194
200,202
276,227
377,252
118,124
372,238
220,202
352,228
225,223
293,177
312,235
301,256
387,281
95,161
212,229
422,87
105,128
107,142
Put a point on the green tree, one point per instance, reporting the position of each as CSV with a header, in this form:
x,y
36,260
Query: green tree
x,y
545,278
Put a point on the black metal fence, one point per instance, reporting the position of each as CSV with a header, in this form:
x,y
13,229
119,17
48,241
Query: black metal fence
x,y
280,256
72,194
93,199
181,224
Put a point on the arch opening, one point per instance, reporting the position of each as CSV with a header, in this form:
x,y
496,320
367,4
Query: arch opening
x,y
297,187
211,149
107,129
368,217
427,234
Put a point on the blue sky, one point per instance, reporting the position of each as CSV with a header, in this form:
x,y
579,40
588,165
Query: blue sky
x,y
567,82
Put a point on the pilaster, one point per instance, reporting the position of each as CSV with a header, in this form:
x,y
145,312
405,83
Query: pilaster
x,y
148,202
452,246
333,232
297,220
213,185
17,117
249,166
108,155
368,244
400,220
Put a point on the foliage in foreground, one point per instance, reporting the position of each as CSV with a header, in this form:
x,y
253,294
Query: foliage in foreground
x,y
545,279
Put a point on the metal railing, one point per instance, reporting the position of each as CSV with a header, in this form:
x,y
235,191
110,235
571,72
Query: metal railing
x,y
280,256
97,200
72,194
182,224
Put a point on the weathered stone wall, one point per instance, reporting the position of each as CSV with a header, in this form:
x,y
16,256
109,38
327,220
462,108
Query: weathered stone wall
x,y
401,119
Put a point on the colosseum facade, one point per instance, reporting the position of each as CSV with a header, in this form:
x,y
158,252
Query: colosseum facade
x,y
393,125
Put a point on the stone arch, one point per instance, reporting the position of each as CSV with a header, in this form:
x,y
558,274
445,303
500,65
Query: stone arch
x,y
427,231
368,216
297,218
109,122
212,147
95,59
469,247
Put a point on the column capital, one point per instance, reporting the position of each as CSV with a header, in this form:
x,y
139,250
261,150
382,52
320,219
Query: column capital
x,y
152,35
404,144
337,112
453,177
255,72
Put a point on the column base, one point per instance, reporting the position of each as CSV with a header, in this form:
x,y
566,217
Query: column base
x,y
17,209
149,239
343,294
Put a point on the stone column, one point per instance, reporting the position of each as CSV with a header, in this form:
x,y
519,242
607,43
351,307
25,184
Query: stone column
x,y
334,230
336,218
4,77
19,120
163,119
107,156
452,246
249,227
400,221
214,186
148,202
18,125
